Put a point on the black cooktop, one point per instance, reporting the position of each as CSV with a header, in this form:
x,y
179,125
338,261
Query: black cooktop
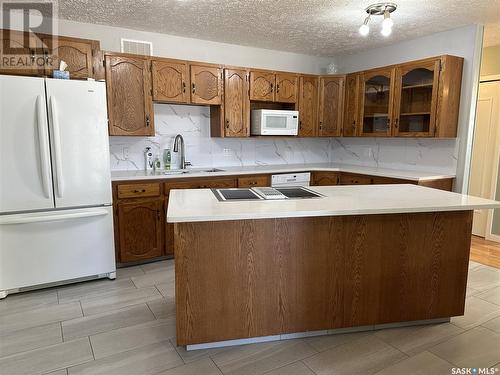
x,y
236,194
297,192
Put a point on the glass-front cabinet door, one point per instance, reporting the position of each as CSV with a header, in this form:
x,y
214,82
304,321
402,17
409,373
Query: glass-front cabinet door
x,y
377,87
416,98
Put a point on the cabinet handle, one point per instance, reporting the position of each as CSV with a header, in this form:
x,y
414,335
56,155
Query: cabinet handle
x,y
396,123
148,121
193,87
300,125
139,191
32,52
354,124
158,214
320,125
277,88
227,124
272,87
183,87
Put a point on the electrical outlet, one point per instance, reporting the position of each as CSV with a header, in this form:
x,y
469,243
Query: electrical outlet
x,y
126,153
228,152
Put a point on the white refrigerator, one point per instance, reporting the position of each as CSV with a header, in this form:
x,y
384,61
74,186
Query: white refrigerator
x,y
56,217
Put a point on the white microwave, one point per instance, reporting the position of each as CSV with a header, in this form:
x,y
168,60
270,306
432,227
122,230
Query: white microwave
x,y
274,122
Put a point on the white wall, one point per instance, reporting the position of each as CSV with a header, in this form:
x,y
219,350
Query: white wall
x,y
465,42
195,49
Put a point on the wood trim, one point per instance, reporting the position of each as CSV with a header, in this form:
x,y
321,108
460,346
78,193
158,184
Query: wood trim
x,y
317,273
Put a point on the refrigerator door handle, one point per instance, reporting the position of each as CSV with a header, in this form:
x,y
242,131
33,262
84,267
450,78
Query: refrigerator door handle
x,y
40,218
57,147
43,144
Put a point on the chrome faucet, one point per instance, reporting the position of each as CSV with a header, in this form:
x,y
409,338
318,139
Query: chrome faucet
x,y
179,140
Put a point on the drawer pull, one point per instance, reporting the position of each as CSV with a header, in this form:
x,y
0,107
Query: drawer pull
x,y
140,191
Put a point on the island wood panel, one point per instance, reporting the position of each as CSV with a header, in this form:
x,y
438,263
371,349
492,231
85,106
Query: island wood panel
x,y
248,278
423,277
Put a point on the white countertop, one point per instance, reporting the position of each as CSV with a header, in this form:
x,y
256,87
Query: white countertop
x,y
190,205
284,168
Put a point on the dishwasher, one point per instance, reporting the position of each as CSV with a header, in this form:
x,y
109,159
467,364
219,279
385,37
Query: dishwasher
x,y
291,179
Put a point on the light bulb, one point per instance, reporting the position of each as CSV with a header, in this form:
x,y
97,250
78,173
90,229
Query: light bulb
x,y
387,22
364,29
386,31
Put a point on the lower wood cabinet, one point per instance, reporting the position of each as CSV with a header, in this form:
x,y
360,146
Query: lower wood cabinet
x,y
254,181
355,179
140,229
325,178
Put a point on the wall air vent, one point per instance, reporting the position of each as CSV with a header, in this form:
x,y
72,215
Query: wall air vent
x,y
138,47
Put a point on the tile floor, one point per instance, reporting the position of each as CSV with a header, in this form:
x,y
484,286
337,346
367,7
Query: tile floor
x,y
127,326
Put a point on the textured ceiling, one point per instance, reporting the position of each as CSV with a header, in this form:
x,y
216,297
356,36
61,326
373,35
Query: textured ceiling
x,y
315,27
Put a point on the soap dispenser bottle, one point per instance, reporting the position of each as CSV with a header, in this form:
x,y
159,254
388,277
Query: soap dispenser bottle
x,y
148,159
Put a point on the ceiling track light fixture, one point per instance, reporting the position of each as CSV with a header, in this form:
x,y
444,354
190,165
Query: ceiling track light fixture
x,y
379,9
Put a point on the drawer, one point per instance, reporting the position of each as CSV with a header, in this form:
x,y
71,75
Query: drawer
x,y
355,179
390,180
138,190
253,181
324,178
200,184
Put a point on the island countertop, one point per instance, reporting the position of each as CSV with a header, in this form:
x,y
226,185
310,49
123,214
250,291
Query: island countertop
x,y
196,205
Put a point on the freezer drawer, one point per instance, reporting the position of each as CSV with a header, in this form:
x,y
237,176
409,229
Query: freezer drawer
x,y
40,248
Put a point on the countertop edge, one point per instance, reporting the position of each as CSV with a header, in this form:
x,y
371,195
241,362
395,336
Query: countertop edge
x,y
277,170
291,215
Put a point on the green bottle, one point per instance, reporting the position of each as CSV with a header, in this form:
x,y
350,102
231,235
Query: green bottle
x,y
167,159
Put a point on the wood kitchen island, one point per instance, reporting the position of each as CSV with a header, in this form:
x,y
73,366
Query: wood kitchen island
x,y
361,256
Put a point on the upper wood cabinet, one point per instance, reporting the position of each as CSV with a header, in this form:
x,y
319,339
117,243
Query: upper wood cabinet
x,y
237,103
262,85
331,99
286,88
427,96
206,84
130,106
376,108
415,99
308,106
14,50
77,53
268,86
170,81
351,106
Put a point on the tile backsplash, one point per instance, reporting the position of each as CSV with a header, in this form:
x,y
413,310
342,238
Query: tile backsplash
x,y
193,122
